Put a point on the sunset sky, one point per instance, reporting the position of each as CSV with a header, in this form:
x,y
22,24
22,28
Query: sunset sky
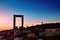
x,y
34,11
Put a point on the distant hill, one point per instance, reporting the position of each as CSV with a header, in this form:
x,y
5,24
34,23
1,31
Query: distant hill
x,y
47,25
44,26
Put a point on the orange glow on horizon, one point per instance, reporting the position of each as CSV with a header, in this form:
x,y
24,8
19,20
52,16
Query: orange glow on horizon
x,y
7,27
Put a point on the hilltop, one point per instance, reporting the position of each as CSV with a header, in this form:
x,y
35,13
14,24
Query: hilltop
x,y
47,25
